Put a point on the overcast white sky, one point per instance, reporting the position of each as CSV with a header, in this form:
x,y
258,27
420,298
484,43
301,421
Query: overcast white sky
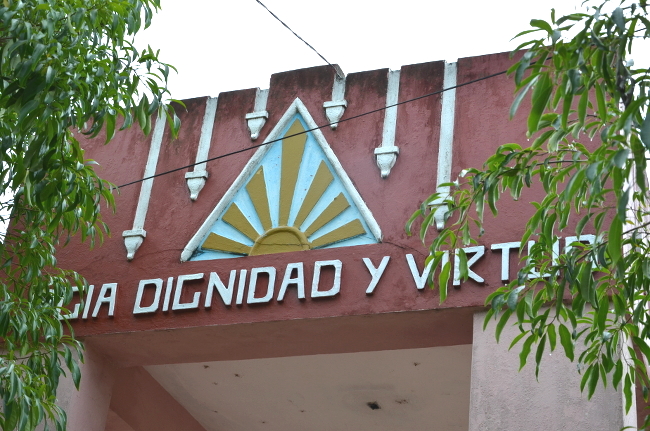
x,y
230,45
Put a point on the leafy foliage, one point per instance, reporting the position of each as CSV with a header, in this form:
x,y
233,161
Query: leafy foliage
x,y
66,67
593,296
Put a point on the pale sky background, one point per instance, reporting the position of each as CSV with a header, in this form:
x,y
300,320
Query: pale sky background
x,y
230,45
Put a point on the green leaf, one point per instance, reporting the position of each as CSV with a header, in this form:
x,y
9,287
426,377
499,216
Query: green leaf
x,y
542,25
627,391
513,297
462,264
520,96
622,206
603,309
566,341
619,20
602,108
582,107
525,351
538,354
618,373
614,240
644,131
641,344
516,339
541,96
443,280
110,127
593,381
552,336
621,157
501,324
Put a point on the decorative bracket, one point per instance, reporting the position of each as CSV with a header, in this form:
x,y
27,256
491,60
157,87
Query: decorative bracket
x,y
256,121
334,111
133,240
335,108
195,182
386,158
258,117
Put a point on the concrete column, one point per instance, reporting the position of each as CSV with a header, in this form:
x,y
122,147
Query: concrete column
x,y
503,399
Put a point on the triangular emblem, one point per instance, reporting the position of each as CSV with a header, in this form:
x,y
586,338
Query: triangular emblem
x,y
292,195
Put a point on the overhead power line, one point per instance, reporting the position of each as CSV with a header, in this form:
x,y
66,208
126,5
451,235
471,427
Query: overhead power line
x,y
316,128
336,68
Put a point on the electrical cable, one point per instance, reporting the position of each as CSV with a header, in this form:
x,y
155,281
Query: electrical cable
x,y
315,128
337,69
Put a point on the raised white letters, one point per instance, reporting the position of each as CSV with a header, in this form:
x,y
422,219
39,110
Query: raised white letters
x,y
298,280
336,286
178,305
505,248
375,273
137,307
106,296
293,277
479,251
168,293
89,298
225,292
241,286
420,279
253,284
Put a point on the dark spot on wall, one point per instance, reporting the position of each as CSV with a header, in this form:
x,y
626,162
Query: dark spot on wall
x,y
373,405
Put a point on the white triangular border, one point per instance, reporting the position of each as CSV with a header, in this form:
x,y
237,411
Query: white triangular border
x,y
297,107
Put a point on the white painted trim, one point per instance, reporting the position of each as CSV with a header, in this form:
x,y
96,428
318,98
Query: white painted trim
x,y
390,114
196,179
296,107
133,238
445,146
261,98
386,153
255,120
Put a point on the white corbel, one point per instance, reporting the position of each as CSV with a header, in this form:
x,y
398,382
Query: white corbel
x,y
133,238
386,154
335,108
256,119
386,158
196,179
445,147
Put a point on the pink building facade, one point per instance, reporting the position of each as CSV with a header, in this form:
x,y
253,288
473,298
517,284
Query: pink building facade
x,y
276,289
